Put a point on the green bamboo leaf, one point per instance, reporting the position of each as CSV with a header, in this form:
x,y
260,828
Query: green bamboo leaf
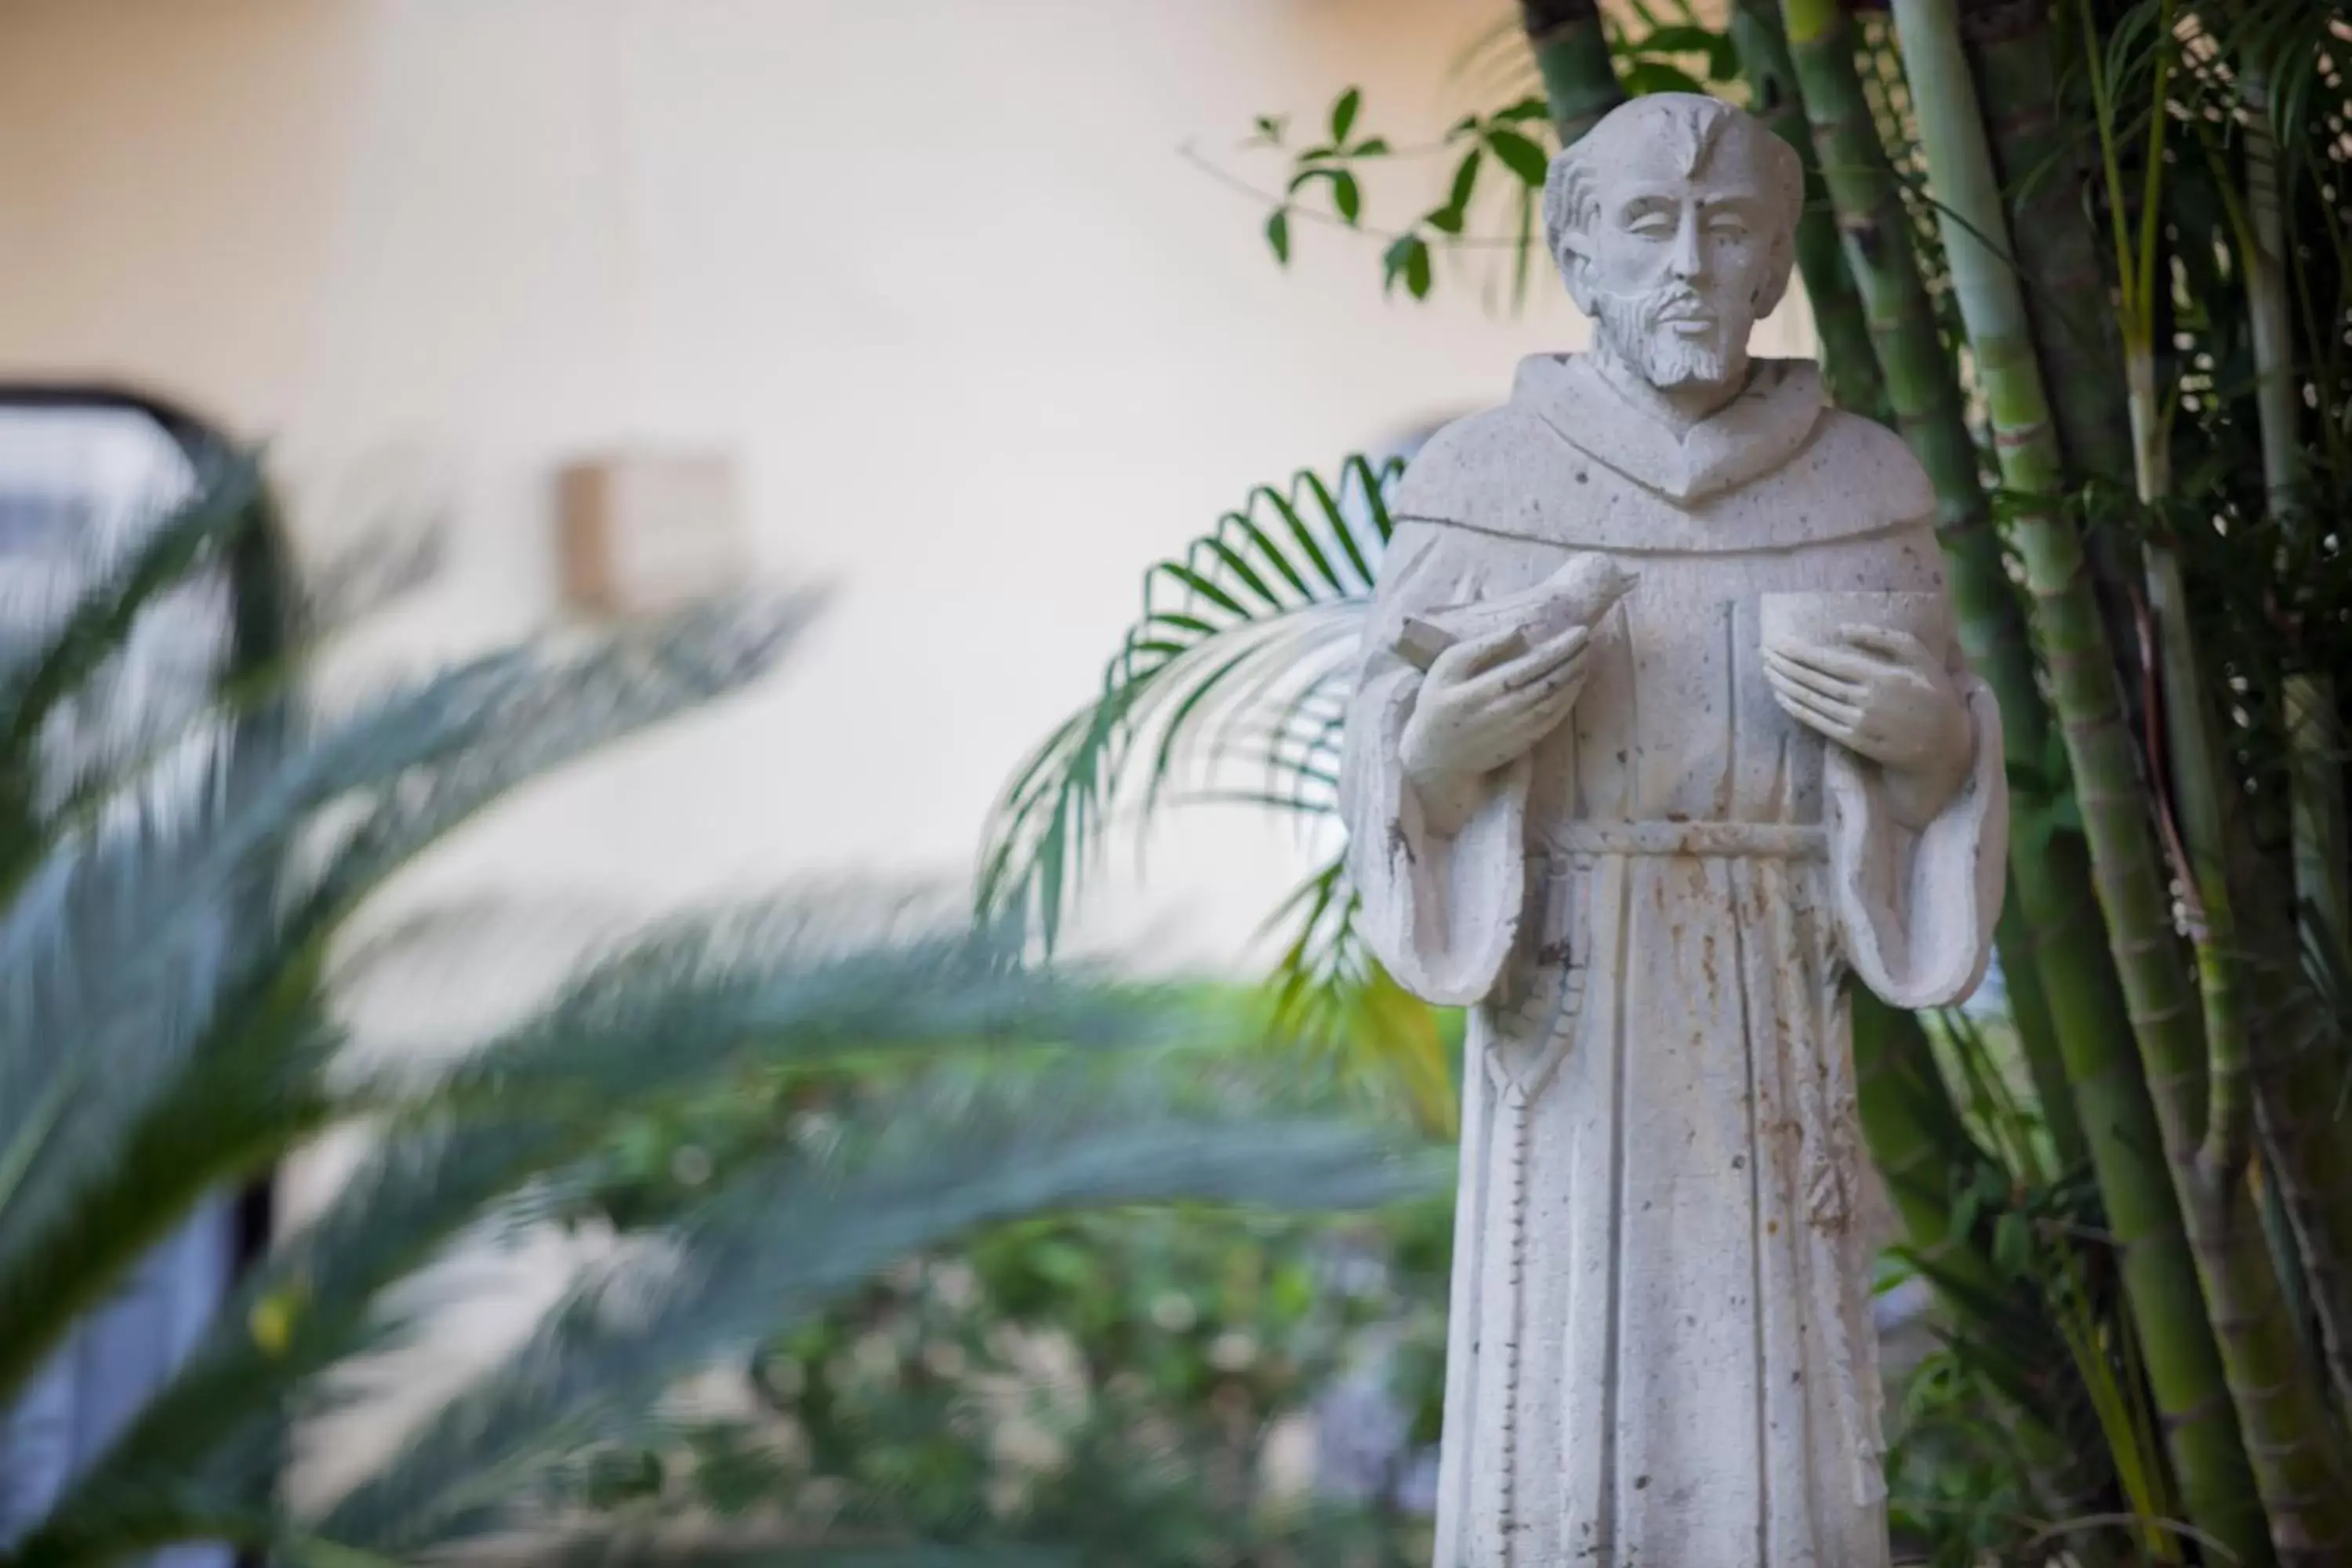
x,y
1417,269
1967,1204
1466,181
2012,1243
1396,257
1277,235
1643,77
1519,155
1347,197
1454,216
1343,113
1684,38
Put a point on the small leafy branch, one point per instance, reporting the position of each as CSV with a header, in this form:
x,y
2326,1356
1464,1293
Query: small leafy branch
x,y
1330,163
1675,54
1470,141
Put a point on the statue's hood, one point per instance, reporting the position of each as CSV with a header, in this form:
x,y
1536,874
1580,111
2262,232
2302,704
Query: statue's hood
x,y
1746,439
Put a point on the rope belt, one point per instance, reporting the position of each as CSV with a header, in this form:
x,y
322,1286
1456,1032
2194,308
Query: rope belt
x,y
1755,840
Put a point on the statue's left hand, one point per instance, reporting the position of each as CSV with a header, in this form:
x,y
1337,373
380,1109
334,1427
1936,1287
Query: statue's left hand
x,y
1884,695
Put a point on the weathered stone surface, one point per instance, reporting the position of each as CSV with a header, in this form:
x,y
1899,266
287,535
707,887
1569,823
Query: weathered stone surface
x,y
1663,732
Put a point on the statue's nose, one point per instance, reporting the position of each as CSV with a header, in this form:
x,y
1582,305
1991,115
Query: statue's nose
x,y
1687,258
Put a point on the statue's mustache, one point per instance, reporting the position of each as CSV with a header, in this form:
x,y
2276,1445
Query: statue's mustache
x,y
1668,305
1675,302
1681,305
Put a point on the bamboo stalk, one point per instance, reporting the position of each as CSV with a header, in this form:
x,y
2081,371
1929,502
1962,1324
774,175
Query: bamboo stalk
x,y
1571,52
1927,411
2199,790
2051,873
1849,363
2263,252
2288,1443
2296,1084
2013,49
2309,1157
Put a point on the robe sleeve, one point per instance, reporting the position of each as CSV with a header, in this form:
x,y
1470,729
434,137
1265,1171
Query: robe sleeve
x,y
1917,908
1441,912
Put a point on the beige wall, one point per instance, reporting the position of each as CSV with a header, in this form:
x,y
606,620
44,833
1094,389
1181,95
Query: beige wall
x,y
934,269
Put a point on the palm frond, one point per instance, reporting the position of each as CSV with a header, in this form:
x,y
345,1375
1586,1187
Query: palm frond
x,y
560,711
1229,686
112,648
691,1006
194,1037
1334,1003
99,618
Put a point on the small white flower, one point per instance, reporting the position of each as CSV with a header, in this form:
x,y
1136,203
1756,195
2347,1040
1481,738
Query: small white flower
x,y
954,1285
1233,1350
1175,1312
876,1357
785,1377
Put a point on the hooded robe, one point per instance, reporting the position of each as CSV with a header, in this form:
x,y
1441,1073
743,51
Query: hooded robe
x,y
1661,1351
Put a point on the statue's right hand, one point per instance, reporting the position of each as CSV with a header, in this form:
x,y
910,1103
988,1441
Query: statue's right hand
x,y
1486,701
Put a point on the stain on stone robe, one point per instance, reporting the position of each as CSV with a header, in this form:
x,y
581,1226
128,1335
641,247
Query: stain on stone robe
x,y
1659,1297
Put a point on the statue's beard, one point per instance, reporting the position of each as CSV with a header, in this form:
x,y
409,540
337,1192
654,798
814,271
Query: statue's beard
x,y
1666,353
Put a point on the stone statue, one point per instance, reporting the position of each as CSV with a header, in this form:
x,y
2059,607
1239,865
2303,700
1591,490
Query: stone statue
x,y
1662,733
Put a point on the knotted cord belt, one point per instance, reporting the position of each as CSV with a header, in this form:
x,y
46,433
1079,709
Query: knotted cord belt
x,y
1738,841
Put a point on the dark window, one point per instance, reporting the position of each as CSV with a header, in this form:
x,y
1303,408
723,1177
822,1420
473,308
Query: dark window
x,y
82,471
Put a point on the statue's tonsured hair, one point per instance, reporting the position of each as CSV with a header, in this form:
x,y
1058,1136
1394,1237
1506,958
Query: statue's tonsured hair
x,y
1693,126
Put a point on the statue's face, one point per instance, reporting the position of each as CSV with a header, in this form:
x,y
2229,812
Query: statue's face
x,y
1675,265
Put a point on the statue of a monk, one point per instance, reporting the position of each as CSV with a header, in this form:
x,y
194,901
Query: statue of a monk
x,y
1662,734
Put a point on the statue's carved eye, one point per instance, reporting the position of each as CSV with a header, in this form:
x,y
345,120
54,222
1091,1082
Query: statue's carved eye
x,y
1727,226
1651,225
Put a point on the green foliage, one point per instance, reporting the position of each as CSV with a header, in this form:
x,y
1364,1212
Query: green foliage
x,y
1231,688
174,949
1108,1384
